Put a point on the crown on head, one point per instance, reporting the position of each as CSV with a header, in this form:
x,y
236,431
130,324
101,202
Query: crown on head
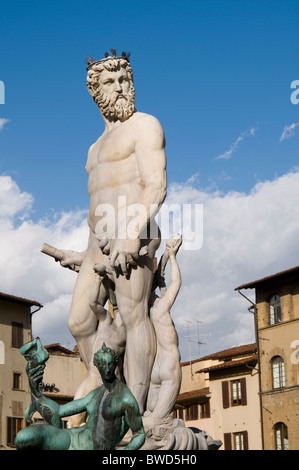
x,y
124,55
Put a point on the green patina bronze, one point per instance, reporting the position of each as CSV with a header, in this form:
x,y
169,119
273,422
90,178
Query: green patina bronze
x,y
111,409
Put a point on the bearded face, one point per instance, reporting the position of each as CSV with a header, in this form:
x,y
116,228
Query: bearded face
x,y
112,89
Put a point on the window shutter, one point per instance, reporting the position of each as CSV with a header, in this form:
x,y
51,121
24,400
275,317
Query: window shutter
x,y
14,335
20,335
243,391
9,431
194,411
17,335
208,409
245,439
227,441
225,394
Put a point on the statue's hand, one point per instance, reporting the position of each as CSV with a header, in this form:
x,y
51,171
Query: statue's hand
x,y
124,254
104,245
71,259
172,245
68,258
100,270
35,377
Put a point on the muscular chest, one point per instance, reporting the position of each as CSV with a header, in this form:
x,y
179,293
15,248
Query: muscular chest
x,y
111,148
111,161
109,408
108,425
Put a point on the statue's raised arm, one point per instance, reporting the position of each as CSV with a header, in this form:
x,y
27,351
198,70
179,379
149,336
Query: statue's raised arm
x,y
36,356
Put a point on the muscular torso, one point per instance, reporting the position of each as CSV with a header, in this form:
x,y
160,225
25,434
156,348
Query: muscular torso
x,y
107,419
113,170
110,426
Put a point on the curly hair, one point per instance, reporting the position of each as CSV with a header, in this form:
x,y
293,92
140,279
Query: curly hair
x,y
93,85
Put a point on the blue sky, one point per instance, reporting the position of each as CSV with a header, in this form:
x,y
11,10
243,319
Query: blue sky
x,y
217,75
209,70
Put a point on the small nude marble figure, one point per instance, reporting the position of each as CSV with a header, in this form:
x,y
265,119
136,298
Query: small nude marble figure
x,y
166,373
111,329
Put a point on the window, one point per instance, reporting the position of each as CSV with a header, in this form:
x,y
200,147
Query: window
x,y
234,393
204,409
178,413
14,425
17,381
278,375
275,309
236,441
281,436
17,335
192,412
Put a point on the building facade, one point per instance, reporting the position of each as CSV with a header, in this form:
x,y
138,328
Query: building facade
x,y
15,330
63,374
276,311
219,394
246,396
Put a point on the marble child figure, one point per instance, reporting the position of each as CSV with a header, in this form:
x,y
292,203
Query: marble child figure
x,y
166,373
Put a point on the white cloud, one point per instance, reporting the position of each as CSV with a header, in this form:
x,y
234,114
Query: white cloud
x,y
288,131
25,271
3,121
12,200
227,155
245,237
51,322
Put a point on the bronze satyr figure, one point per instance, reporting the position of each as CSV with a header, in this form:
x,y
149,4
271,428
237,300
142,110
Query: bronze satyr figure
x,y
111,409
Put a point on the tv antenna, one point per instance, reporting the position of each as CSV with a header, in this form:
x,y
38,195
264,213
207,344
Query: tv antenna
x,y
189,336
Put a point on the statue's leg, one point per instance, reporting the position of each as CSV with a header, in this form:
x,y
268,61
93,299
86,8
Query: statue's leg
x,y
170,376
132,299
82,321
154,388
44,437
